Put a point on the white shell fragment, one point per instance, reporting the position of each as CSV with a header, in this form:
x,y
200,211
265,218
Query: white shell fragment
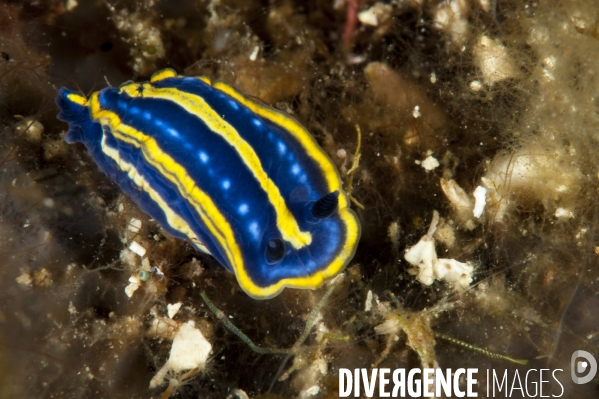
x,y
476,85
134,225
485,5
254,55
312,391
493,60
238,393
416,112
190,350
173,309
452,17
423,255
563,213
375,15
137,248
368,305
480,198
71,4
31,128
456,273
430,162
134,283
368,17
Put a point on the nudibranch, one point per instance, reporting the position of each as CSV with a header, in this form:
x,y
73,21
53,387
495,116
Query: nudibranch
x,y
240,180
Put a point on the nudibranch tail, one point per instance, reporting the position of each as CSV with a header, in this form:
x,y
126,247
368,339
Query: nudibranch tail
x,y
73,109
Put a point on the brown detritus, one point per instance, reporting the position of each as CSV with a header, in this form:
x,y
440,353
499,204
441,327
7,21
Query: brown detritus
x,y
272,81
286,27
138,29
24,80
398,97
417,327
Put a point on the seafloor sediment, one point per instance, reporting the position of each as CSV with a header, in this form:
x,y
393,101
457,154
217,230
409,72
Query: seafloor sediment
x,y
478,177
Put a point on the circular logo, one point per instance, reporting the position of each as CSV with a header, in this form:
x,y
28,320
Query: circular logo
x,y
579,366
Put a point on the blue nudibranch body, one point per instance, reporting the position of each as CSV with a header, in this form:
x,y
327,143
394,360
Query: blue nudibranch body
x,y
242,181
